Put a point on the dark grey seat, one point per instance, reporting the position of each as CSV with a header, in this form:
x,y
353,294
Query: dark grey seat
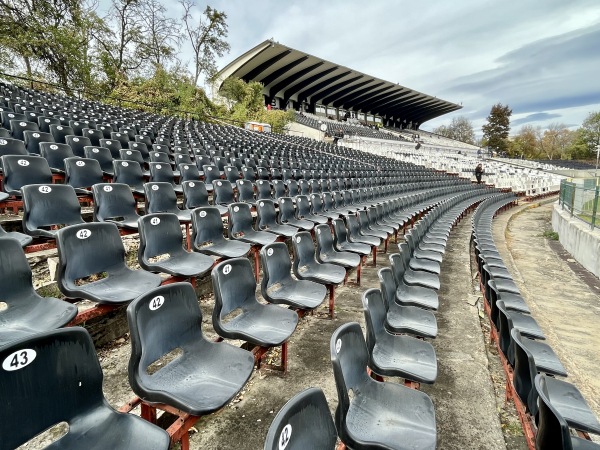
x,y
356,234
114,202
288,215
235,290
303,211
195,195
279,287
60,375
417,277
378,415
395,355
207,235
266,220
22,239
404,319
21,170
240,226
161,197
307,267
411,295
26,312
341,242
96,248
160,235
205,377
304,422
129,173
326,253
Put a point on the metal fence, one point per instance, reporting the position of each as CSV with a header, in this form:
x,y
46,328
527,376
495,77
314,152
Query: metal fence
x,y
582,197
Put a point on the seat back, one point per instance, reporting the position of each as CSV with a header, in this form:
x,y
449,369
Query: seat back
x,y
207,226
87,249
304,250
47,205
375,312
113,145
195,194
240,219
524,371
234,287
113,201
211,173
20,170
324,239
18,127
161,172
223,193
349,358
129,173
93,135
78,144
160,234
316,203
263,190
55,154
16,281
82,172
132,155
304,187
302,206
398,268
160,197
245,190
266,216
552,429
287,211
232,174
60,133
58,373
10,146
188,172
102,155
45,122
340,232
276,265
387,285
304,422
33,139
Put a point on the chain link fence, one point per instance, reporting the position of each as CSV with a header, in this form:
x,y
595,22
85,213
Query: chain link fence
x,y
581,197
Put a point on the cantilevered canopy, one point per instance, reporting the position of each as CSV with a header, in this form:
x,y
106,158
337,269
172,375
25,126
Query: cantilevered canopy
x,y
289,75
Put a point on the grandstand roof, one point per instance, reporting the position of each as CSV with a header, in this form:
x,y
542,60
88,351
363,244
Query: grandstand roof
x,y
290,74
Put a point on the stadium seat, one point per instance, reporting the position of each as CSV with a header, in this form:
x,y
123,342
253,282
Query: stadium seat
x,y
18,127
33,139
207,236
161,198
161,241
417,277
26,313
20,170
245,191
266,220
240,226
129,173
303,422
82,174
288,215
114,202
188,172
395,355
78,144
194,194
113,145
341,242
408,294
103,156
134,155
55,377
223,195
378,414
60,133
326,253
278,286
89,249
161,172
55,154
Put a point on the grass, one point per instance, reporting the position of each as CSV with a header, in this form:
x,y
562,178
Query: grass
x,y
549,234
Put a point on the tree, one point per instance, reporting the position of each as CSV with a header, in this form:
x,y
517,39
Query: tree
x,y
525,143
160,33
590,131
206,36
497,128
460,129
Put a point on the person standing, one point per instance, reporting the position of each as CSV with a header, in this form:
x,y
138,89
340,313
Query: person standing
x,y
478,173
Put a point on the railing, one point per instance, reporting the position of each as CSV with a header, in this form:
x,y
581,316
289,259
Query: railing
x,y
582,197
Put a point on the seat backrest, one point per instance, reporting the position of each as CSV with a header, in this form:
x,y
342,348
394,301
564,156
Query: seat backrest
x,y
302,206
304,422
77,144
524,370
102,155
131,155
188,172
160,234
16,281
142,148
387,285
44,123
316,203
223,193
287,211
304,187
93,135
349,358
55,154
266,216
340,232
20,170
324,239
7,116
276,264
206,225
113,200
234,287
398,267
160,197
33,139
82,172
240,219
58,372
161,172
18,127
128,172
46,205
245,190
304,250
195,194
113,145
375,312
263,190
87,249
60,133
122,138
552,429
10,146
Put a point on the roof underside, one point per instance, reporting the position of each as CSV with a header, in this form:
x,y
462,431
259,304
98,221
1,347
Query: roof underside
x,y
291,75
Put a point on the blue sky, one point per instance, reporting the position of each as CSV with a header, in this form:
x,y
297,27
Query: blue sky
x,y
541,57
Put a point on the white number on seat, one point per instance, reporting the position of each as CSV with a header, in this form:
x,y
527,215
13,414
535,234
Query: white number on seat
x,y
45,189
19,359
157,302
285,436
83,234
227,269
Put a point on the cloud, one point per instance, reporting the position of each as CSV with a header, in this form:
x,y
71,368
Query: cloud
x,y
537,117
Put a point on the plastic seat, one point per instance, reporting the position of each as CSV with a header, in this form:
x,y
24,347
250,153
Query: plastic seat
x,y
18,127
10,146
46,208
45,122
55,154
279,287
114,202
417,277
60,133
161,239
129,173
266,220
82,174
205,377
26,312
207,235
287,215
234,287
303,423
59,374
223,195
341,242
211,174
22,239
23,170
307,267
245,191
160,172
103,156
356,234
404,319
379,414
134,155
568,402
194,194
93,135
411,295
33,139
96,248
326,253
113,145
395,355
240,226
161,198
188,172
78,144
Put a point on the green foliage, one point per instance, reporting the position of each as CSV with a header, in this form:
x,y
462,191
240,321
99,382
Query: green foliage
x,y
590,131
460,129
497,128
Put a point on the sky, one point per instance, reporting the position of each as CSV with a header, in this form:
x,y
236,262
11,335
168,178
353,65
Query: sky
x,y
540,57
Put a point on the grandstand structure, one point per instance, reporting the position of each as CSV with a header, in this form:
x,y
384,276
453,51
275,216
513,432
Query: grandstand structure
x,y
216,205
294,79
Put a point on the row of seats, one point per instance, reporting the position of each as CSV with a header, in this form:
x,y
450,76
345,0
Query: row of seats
x,y
548,406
